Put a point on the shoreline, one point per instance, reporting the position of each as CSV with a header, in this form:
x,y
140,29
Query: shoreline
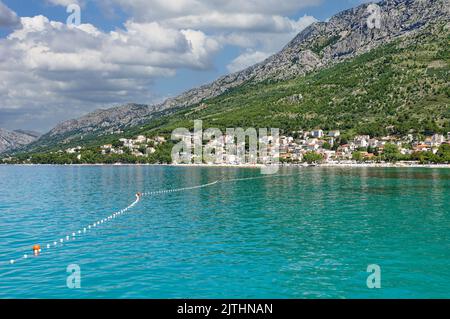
x,y
258,166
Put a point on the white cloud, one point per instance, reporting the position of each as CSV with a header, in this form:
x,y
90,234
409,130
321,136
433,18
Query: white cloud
x,y
268,40
8,18
258,25
150,10
40,66
64,3
50,70
236,15
247,59
258,46
234,21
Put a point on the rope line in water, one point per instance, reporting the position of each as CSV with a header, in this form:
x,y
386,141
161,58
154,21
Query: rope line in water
x,y
74,235
84,230
59,243
179,189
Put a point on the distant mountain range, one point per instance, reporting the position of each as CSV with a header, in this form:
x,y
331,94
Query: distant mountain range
x,y
321,46
11,140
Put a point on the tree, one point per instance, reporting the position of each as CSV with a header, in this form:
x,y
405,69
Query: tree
x,y
117,144
371,150
143,149
391,153
326,146
443,153
312,157
428,157
357,156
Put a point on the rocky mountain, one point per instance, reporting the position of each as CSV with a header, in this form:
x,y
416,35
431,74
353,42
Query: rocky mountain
x,y
111,119
323,44
97,123
319,46
10,140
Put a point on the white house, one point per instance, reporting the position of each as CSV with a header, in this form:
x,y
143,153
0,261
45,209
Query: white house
x,y
362,141
329,154
334,133
160,139
317,133
437,139
141,139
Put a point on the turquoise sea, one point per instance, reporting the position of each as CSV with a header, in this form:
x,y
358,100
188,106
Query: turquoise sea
x,y
308,233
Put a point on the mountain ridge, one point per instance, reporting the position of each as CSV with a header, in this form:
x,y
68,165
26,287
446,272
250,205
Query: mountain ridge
x,y
11,140
319,46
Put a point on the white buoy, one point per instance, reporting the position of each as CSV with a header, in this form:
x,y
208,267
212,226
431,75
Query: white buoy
x,y
48,246
61,240
55,243
67,237
12,261
73,234
25,256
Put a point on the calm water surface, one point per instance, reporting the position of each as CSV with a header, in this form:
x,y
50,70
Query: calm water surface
x,y
311,234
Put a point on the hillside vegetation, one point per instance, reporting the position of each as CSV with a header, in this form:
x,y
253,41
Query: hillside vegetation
x,y
398,88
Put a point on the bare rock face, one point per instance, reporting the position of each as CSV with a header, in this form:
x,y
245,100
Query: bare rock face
x,y
11,140
323,44
320,45
104,120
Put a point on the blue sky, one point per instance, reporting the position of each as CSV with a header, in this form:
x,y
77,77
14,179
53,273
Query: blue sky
x,y
139,51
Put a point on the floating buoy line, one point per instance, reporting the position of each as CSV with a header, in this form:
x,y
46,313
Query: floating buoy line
x,y
37,249
176,190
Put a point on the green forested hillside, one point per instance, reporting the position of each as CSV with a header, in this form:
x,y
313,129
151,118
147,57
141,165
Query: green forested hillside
x,y
400,87
397,88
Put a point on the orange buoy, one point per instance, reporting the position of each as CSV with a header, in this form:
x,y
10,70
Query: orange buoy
x,y
36,249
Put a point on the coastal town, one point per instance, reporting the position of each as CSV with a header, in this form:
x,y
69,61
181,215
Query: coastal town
x,y
310,147
330,147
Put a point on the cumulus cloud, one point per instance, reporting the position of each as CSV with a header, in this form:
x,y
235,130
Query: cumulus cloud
x,y
8,18
50,71
39,66
259,25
